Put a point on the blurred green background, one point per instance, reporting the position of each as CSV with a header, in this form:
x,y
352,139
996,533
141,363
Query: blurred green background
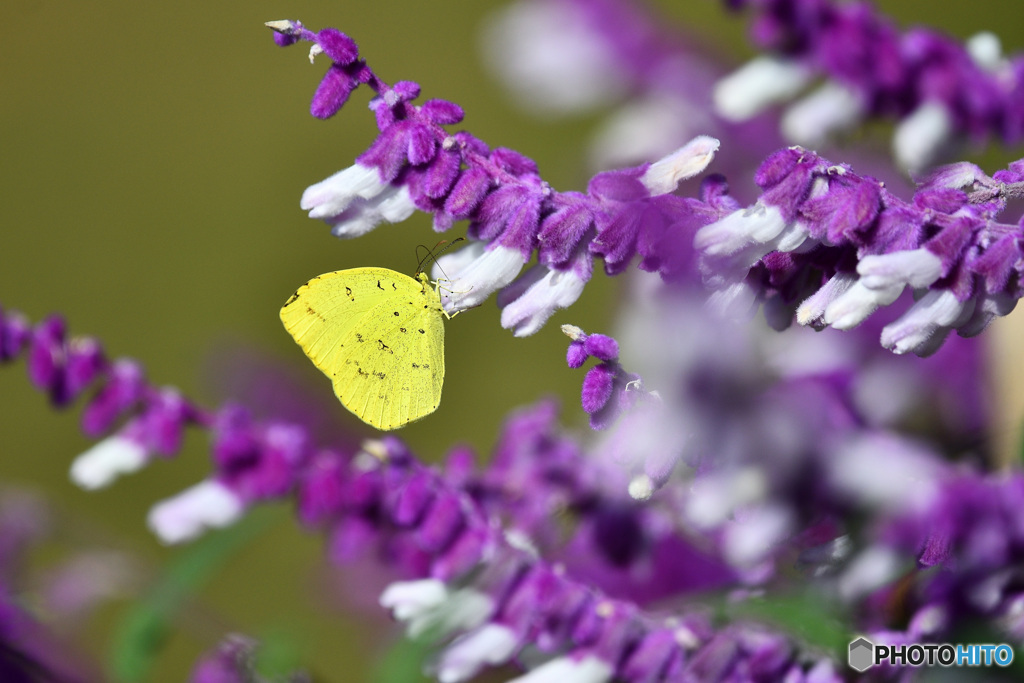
x,y
151,163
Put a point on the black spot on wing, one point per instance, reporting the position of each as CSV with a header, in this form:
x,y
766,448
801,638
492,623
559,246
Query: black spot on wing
x,y
379,287
385,347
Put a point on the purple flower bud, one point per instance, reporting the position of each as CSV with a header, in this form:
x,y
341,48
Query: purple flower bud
x,y
404,91
389,151
320,490
338,46
14,334
47,359
941,199
123,390
463,555
351,538
163,422
619,186
285,39
521,231
412,499
597,387
513,162
441,175
422,145
332,93
577,354
495,211
442,523
442,112
561,231
998,263
845,210
950,242
777,167
468,192
84,363
602,346
362,492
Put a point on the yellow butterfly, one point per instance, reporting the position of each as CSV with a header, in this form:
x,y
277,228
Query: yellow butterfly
x,y
379,336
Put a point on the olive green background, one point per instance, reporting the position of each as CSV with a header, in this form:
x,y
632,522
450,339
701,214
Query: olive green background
x,y
151,161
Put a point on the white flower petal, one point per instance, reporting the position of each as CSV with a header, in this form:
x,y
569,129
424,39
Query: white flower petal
x,y
489,645
664,175
472,280
528,313
918,268
106,461
409,599
935,313
812,310
920,136
758,84
755,224
870,570
830,109
392,205
207,505
331,196
568,670
550,58
850,308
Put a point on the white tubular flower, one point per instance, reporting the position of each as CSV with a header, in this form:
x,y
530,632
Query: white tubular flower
x,y
933,315
102,464
758,84
749,539
884,471
408,600
812,310
473,273
735,243
664,175
646,129
333,195
547,55
850,308
568,670
714,498
831,109
986,50
918,268
489,645
393,205
755,224
870,570
538,294
207,505
428,605
920,136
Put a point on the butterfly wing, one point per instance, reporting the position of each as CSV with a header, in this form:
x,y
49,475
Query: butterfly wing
x,y
379,336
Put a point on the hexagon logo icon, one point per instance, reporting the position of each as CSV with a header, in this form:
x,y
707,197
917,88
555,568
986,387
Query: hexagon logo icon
x,y
862,654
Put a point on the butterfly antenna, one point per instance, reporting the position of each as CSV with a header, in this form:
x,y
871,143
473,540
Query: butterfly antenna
x,y
444,245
